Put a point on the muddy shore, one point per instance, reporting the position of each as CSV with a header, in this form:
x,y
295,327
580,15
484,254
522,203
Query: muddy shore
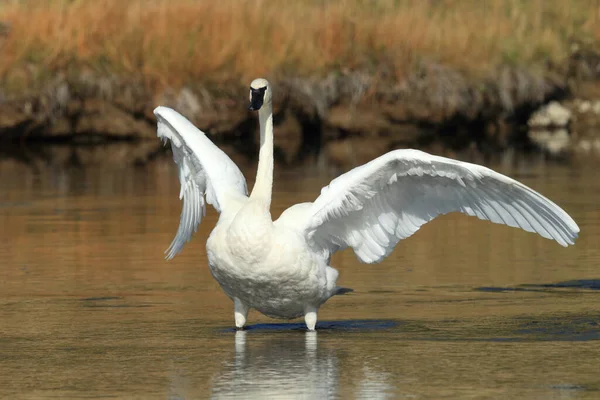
x,y
343,119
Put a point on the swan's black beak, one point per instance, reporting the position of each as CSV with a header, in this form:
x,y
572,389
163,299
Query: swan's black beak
x,y
257,97
255,104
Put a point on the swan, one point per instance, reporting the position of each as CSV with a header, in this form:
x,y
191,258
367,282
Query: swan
x,y
281,268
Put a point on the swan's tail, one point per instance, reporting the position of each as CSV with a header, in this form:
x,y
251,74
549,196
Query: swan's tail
x,y
342,290
332,276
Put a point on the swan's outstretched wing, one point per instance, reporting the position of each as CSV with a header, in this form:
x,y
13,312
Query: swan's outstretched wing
x,y
204,169
376,205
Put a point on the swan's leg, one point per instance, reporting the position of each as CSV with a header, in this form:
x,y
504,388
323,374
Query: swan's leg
x,y
310,317
240,312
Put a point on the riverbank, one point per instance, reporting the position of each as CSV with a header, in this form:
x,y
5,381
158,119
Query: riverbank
x,y
433,75
342,119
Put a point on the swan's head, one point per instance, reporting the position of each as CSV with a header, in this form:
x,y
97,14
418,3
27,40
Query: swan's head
x,y
260,93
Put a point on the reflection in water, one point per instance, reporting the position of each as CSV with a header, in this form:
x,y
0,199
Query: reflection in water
x,y
279,367
89,308
283,366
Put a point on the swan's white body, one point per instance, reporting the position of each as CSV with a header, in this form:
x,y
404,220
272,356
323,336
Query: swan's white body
x,y
281,268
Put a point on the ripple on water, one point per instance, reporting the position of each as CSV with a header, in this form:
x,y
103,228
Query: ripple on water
x,y
345,326
591,284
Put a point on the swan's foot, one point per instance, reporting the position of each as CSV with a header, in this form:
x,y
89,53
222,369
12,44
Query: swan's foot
x,y
240,313
310,317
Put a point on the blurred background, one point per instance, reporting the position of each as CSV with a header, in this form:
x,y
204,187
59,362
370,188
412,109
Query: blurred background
x,y
462,309
353,78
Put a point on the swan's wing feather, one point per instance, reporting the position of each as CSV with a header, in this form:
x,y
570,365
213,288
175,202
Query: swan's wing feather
x,y
373,207
204,170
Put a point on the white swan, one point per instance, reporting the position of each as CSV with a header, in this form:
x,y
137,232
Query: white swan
x,y
281,268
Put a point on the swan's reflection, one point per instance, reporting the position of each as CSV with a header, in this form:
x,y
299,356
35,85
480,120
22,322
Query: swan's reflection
x,y
278,366
284,366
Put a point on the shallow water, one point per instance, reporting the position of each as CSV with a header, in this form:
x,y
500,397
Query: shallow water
x,y
463,309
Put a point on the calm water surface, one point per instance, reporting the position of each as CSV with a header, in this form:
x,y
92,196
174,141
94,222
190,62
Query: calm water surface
x,y
463,309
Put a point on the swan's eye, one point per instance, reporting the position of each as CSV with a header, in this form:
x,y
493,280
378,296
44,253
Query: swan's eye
x,y
261,90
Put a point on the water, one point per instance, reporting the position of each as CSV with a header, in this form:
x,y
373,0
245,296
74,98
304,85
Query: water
x,y
463,309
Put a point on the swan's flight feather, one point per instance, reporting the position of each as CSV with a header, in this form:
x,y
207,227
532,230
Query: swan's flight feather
x,y
373,207
204,170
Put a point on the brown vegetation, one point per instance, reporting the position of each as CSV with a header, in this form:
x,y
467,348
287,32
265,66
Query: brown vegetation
x,y
456,74
175,42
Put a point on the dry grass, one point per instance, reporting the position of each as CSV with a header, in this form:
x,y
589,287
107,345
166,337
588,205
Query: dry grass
x,y
173,42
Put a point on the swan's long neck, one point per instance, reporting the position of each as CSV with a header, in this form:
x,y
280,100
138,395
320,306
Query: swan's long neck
x,y
263,187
